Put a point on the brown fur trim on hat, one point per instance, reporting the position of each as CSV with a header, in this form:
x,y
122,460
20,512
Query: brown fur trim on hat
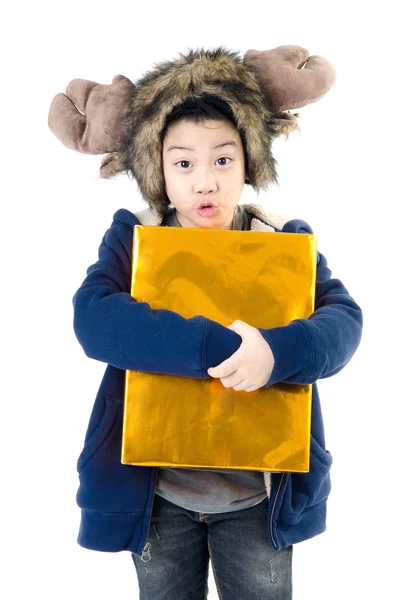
x,y
219,72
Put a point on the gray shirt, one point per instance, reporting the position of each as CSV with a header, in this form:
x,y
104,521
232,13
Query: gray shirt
x,y
211,490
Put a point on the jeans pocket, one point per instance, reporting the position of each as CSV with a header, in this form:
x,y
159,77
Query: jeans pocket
x,y
102,431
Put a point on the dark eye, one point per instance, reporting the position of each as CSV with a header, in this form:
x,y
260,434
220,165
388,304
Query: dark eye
x,y
188,162
224,158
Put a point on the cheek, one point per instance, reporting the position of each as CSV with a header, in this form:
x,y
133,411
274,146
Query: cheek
x,y
171,176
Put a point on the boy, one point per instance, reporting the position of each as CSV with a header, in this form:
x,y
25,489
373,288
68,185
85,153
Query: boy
x,y
174,520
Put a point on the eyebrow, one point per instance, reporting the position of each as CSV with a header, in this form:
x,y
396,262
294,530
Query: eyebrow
x,y
229,143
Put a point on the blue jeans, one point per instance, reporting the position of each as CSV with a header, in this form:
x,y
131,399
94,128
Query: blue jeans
x,y
180,543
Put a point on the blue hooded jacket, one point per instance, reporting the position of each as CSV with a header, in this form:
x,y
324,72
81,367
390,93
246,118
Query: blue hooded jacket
x,y
116,500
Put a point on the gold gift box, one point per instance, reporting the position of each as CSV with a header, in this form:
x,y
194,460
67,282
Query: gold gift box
x,y
266,279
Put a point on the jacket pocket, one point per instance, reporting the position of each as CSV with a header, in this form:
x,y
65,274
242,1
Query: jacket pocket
x,y
318,452
305,490
101,432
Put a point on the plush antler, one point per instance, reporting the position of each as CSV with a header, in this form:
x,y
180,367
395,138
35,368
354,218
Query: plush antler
x,y
98,127
289,82
89,118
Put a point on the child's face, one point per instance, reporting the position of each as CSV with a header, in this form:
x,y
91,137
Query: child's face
x,y
203,173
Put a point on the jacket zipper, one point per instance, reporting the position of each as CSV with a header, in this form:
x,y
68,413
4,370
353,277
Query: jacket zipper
x,y
154,493
272,513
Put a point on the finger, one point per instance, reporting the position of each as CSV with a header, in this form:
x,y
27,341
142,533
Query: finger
x,y
235,378
227,367
240,386
252,388
240,327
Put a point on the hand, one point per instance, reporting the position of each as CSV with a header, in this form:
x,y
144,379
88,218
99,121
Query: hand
x,y
250,367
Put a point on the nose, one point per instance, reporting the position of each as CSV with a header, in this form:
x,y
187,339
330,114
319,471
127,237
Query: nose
x,y
205,183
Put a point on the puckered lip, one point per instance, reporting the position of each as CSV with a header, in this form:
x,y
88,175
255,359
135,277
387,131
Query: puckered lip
x,y
206,204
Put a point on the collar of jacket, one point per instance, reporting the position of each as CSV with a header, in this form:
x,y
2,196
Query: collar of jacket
x,y
262,220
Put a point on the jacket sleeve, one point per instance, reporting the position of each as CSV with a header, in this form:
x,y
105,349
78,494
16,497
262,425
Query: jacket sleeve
x,y
318,347
113,327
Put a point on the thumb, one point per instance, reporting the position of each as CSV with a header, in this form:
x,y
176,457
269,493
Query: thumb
x,y
237,326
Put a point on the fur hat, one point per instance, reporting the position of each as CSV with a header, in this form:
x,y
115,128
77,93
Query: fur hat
x,y
126,120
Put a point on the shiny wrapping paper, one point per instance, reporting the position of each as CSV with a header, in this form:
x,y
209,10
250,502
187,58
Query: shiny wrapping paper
x,y
266,279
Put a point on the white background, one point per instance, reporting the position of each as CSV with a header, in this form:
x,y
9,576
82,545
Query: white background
x,y
338,174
